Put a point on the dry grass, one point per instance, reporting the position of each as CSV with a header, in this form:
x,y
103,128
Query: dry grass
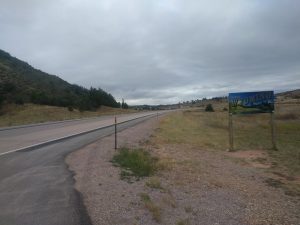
x,y
183,222
155,210
31,113
287,116
169,200
188,209
182,133
195,128
209,130
154,183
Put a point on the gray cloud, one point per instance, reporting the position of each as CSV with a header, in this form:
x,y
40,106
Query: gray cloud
x,y
164,51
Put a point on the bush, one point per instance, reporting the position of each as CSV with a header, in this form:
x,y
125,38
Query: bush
x,y
70,108
135,162
209,108
1,101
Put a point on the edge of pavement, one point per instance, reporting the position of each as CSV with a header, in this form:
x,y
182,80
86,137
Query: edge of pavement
x,y
42,144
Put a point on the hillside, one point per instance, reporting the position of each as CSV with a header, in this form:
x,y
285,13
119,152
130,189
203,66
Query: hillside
x,y
290,94
21,83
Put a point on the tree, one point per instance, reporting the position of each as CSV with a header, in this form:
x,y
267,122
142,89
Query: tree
x,y
19,100
124,104
70,108
21,83
1,101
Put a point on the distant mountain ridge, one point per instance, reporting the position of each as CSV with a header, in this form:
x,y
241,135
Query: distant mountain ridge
x,y
21,83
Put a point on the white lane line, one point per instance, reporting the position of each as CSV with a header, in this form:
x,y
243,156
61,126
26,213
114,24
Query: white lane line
x,y
55,122
67,137
53,140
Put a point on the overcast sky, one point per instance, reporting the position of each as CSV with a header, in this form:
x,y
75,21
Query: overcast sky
x,y
158,51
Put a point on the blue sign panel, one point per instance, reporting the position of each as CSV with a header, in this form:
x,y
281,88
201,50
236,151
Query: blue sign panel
x,y
251,102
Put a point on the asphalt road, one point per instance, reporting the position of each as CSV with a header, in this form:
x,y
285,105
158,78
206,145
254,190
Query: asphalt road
x,y
22,137
36,187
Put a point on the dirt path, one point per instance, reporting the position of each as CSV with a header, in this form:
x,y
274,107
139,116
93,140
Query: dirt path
x,y
196,186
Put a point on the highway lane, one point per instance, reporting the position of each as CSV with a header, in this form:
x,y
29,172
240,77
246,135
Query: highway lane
x,y
11,139
36,186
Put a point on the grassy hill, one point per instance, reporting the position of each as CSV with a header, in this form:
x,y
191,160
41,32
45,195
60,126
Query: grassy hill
x,y
21,83
13,114
290,94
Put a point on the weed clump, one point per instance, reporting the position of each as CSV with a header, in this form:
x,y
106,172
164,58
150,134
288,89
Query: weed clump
x,y
154,182
135,162
183,222
154,209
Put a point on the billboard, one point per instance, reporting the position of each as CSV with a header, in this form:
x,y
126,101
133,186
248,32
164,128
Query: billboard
x,y
251,102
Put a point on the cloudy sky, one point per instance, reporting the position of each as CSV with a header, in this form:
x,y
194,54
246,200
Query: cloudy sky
x,y
158,51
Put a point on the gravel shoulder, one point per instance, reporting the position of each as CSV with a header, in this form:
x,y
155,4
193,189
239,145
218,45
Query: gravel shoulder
x,y
195,187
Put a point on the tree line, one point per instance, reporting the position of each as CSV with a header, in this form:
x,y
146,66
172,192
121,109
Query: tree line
x,y
76,97
21,83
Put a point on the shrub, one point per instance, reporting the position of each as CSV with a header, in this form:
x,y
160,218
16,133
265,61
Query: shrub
x,y
70,108
209,108
135,162
154,209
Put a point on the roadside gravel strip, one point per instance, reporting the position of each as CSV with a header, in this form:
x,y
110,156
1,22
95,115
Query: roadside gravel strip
x,y
199,187
109,200
36,136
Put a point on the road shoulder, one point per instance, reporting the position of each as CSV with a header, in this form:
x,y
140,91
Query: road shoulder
x,y
196,187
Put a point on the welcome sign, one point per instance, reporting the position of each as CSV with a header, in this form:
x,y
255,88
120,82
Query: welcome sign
x,y
251,102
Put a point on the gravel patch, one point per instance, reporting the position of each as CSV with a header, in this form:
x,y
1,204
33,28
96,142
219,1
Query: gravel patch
x,y
197,186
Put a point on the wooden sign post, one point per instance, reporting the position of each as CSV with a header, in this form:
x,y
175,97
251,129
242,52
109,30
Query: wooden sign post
x,y
273,131
116,144
230,133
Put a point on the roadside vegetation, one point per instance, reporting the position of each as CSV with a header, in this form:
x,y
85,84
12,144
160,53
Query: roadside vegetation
x,y
183,137
135,163
151,206
210,131
200,129
31,113
154,183
209,108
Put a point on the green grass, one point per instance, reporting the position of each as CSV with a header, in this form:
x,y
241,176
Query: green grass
x,y
11,115
135,162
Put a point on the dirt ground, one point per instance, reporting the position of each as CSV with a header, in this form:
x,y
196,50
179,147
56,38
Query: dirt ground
x,y
195,187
